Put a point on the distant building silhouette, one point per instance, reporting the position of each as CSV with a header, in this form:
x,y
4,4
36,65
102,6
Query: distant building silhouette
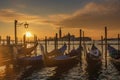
x,y
60,33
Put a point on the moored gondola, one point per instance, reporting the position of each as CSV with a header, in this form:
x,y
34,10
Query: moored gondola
x,y
76,52
23,57
93,57
114,56
19,52
36,60
61,60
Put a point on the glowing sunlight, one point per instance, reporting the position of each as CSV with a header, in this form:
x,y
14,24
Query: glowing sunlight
x,y
28,34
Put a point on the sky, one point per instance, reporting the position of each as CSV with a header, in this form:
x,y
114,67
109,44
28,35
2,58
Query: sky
x,y
46,16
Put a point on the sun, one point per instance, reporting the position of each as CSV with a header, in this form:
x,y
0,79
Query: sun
x,y
28,34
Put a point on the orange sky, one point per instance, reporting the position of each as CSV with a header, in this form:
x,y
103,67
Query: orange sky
x,y
45,17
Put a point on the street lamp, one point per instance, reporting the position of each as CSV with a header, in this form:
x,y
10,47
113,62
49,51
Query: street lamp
x,y
26,25
16,23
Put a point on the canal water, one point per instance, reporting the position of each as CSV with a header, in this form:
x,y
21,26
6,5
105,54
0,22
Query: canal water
x,y
74,72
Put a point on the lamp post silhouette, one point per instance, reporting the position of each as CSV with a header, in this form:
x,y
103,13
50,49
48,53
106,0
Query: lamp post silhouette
x,y
15,26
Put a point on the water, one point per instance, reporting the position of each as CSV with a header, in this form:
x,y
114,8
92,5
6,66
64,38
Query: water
x,y
74,72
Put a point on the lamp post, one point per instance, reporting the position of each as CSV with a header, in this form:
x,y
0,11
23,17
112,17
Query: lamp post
x,y
15,31
15,26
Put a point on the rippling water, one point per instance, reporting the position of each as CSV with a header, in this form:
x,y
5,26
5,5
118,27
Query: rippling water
x,y
74,72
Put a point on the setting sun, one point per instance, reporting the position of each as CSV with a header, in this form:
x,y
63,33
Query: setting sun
x,y
28,34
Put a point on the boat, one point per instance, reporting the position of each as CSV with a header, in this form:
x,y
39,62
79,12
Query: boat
x,y
93,72
60,61
76,52
33,61
93,57
23,57
94,62
58,52
23,51
114,53
36,60
114,56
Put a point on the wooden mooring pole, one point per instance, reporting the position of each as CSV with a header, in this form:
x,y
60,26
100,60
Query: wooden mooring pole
x,y
73,43
105,47
80,40
15,32
56,41
80,45
45,44
0,40
68,42
118,42
8,40
35,41
102,45
85,50
24,40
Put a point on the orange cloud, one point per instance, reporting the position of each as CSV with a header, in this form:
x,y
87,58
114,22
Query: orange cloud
x,y
9,15
92,15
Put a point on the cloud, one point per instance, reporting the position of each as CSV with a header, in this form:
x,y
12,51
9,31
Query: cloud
x,y
55,19
9,15
92,15
21,6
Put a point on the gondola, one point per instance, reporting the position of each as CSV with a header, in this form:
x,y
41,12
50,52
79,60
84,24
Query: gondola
x,y
57,52
114,53
33,61
22,56
36,60
114,56
94,62
76,52
23,51
60,61
93,57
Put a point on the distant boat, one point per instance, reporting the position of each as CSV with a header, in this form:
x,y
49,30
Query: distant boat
x,y
93,57
61,60
114,56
